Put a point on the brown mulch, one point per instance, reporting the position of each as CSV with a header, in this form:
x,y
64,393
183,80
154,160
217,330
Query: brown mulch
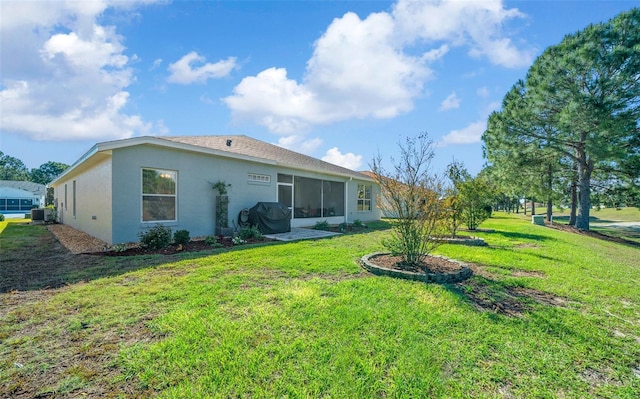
x,y
196,245
79,242
76,241
430,264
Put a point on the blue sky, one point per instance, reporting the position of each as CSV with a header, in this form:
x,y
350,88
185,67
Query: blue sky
x,y
337,80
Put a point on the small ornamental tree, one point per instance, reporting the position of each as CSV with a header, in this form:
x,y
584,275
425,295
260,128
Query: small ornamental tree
x,y
453,201
476,204
413,195
469,198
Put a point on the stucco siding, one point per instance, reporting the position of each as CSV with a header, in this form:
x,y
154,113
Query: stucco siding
x,y
89,209
195,196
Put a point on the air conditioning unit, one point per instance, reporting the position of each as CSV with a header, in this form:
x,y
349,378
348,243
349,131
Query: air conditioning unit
x,y
37,214
42,215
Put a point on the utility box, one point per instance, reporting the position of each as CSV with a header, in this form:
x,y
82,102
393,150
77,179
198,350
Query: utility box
x,y
538,219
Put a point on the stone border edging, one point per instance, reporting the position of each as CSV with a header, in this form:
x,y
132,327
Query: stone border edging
x,y
471,241
440,278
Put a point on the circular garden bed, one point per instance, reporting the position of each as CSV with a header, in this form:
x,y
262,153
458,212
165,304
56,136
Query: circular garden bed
x,y
434,269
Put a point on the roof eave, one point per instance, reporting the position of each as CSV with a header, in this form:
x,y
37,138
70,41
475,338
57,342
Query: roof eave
x,y
116,144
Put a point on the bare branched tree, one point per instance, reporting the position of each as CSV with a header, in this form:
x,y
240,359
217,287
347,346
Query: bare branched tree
x,y
411,194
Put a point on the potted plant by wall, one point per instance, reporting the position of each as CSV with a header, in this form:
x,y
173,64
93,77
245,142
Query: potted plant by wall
x,y
222,209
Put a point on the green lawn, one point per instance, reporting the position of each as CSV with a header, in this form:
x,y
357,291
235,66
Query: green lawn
x,y
606,220
627,214
552,314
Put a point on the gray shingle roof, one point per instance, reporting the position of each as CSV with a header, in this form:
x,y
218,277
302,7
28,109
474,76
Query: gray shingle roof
x,y
35,188
248,146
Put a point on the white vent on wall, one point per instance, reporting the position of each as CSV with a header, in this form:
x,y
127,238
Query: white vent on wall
x,y
258,178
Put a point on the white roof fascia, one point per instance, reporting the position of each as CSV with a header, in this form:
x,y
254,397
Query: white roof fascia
x,y
92,151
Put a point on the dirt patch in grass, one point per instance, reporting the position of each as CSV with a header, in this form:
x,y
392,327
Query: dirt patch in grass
x,y
56,360
46,264
488,295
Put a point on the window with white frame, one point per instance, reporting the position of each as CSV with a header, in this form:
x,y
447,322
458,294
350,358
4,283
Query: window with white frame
x,y
159,195
364,197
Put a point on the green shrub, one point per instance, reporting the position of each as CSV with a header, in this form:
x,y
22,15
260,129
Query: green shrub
x,y
324,225
358,224
181,237
1,217
156,237
247,233
213,241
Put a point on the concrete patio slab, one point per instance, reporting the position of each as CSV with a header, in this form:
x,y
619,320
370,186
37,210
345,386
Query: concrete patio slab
x,y
298,233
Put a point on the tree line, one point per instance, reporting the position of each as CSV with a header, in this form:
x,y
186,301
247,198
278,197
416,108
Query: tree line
x,y
12,168
569,133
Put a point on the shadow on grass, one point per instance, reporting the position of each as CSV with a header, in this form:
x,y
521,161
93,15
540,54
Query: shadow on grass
x,y
520,236
41,262
592,219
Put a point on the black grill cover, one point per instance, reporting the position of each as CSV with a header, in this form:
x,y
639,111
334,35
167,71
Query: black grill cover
x,y
270,217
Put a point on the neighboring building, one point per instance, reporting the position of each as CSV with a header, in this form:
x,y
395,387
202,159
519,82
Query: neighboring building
x,y
118,189
20,196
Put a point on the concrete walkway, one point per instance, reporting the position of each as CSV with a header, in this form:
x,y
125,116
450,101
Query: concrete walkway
x,y
297,233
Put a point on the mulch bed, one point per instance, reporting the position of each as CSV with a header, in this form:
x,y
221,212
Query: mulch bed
x,y
191,246
430,264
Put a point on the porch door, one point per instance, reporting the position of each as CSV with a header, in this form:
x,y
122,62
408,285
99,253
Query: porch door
x,y
285,195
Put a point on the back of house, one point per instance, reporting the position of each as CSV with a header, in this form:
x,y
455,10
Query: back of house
x,y
121,188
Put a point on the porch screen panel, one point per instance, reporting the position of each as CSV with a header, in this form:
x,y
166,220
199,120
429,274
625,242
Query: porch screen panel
x,y
307,198
159,195
332,198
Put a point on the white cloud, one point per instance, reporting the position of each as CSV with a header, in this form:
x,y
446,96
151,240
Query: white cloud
x,y
483,92
185,70
102,120
50,56
300,144
355,72
475,24
471,133
348,160
206,100
375,67
468,135
451,102
274,101
156,63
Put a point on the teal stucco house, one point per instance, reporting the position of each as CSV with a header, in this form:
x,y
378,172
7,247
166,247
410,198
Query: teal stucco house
x,y
120,188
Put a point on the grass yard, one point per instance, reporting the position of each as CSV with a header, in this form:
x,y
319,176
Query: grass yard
x,y
616,222
548,314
